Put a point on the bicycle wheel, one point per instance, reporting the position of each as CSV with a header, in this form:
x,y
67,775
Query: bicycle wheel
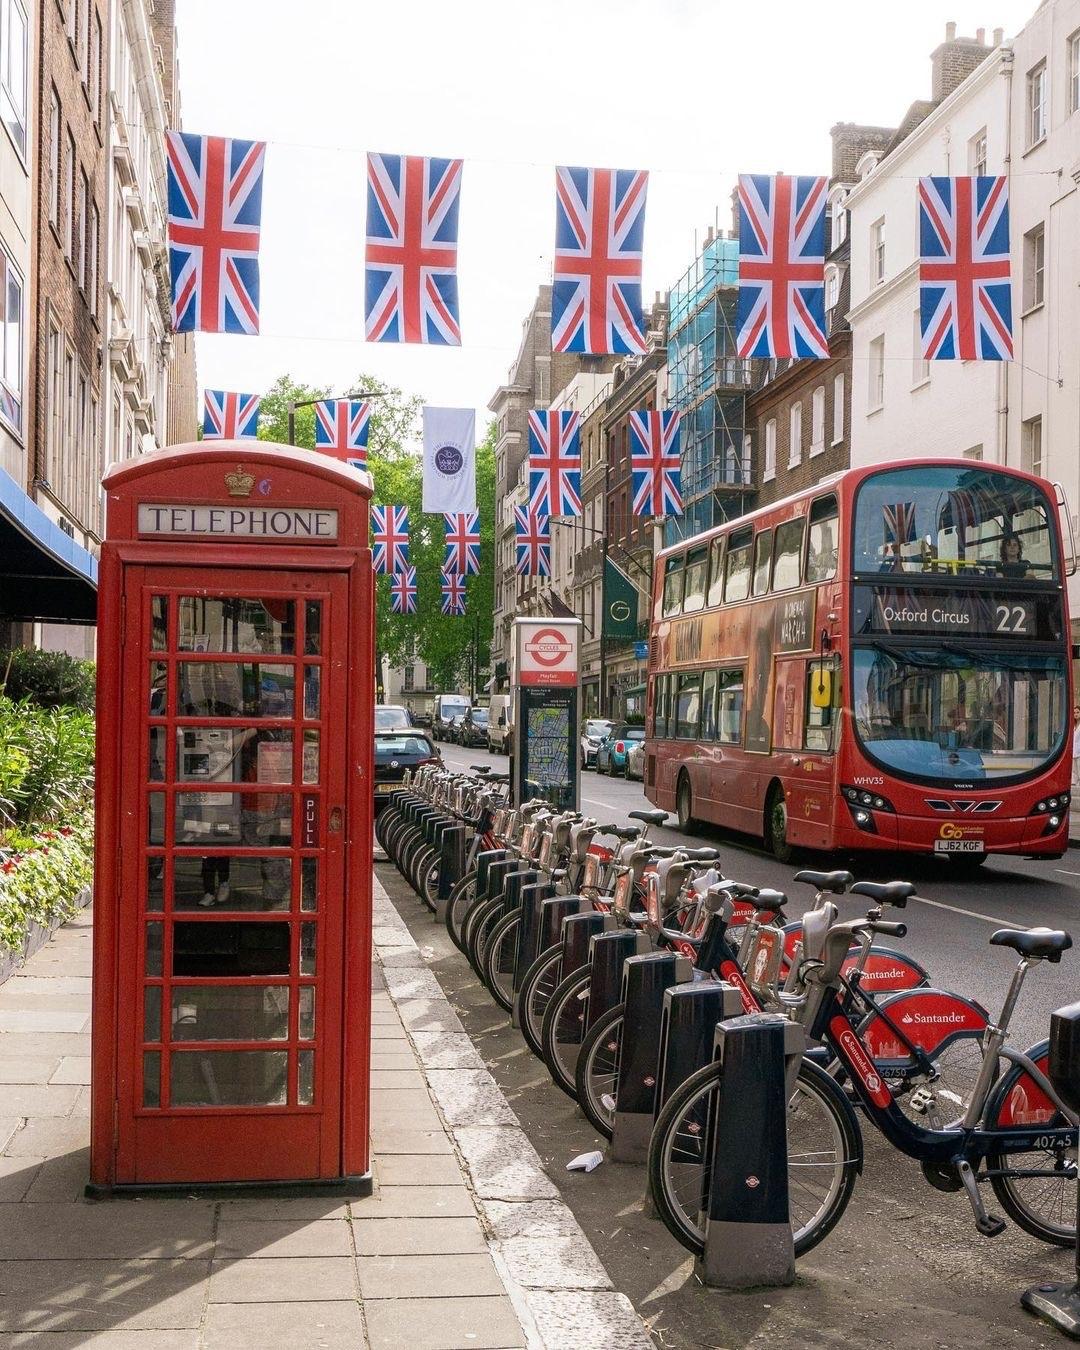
x,y
563,1029
428,873
823,1145
481,926
500,957
383,821
537,986
461,898
1043,1205
596,1075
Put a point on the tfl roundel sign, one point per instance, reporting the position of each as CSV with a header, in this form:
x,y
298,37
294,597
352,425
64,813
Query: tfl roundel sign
x,y
549,655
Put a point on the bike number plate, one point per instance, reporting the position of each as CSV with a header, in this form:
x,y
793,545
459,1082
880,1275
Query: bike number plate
x,y
958,846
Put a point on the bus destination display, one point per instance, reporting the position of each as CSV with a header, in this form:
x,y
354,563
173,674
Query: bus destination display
x,y
880,611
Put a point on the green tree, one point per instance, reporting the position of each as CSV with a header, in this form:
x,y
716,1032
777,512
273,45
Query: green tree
x,y
394,428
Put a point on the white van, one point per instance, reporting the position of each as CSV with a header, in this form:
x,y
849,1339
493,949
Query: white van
x,y
447,707
499,730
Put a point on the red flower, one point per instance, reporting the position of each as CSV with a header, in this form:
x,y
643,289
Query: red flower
x,y
66,830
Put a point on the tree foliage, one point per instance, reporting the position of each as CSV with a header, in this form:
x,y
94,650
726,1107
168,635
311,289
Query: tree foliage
x,y
448,646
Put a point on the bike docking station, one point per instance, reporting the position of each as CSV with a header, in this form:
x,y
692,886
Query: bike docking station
x,y
233,850
544,676
1059,1303
451,864
748,1238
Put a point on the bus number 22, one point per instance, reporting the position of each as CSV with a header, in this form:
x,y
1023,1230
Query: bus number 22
x,y
1011,619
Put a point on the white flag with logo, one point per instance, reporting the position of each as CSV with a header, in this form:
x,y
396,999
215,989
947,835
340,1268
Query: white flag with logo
x,y
449,460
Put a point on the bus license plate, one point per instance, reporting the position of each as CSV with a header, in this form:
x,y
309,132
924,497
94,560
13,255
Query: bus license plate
x,y
958,846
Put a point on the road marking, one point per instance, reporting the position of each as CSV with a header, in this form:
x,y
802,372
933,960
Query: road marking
x,y
1066,871
969,913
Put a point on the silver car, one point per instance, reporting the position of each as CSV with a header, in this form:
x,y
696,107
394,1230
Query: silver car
x,y
635,761
596,728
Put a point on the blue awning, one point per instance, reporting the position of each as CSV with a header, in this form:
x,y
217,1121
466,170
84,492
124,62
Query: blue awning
x,y
44,574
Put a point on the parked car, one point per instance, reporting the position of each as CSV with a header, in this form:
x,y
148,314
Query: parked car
x,y
596,728
499,729
474,727
635,761
447,707
398,749
390,717
613,749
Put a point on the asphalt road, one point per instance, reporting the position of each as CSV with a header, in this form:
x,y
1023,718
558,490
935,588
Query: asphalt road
x,y
906,1266
948,926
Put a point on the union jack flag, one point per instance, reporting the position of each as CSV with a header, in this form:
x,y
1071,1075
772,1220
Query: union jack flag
x,y
215,212
781,309
654,460
410,269
453,594
390,531
462,543
533,537
403,592
965,295
899,518
555,463
230,417
596,285
341,430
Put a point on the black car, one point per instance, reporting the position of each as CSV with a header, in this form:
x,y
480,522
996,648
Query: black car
x,y
398,750
474,728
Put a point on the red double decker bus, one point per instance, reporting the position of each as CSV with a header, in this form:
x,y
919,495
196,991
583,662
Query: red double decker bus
x,y
881,662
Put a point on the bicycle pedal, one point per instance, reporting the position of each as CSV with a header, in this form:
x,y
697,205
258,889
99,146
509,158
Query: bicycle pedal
x,y
990,1225
607,1101
921,1100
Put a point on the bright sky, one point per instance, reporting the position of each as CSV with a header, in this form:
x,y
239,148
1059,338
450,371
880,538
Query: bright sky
x,y
695,91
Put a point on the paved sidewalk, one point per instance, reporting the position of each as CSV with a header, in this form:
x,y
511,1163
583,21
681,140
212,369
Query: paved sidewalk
x,y
444,1255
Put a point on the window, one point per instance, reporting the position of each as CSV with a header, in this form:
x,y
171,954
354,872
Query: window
x,y
716,571
762,562
1072,63
1031,446
838,409
54,401
93,242
822,550
93,86
1036,104
839,220
11,329
737,567
877,373
688,707
661,704
69,197
977,153
787,563
1034,266
13,66
920,369
54,159
708,705
408,683
81,245
82,37
673,585
818,722
795,436
729,705
770,450
817,421
697,567
832,287
877,250
63,480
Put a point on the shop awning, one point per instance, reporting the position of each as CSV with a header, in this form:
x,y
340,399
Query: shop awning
x,y
44,574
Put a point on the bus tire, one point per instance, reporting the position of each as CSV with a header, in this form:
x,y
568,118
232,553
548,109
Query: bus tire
x,y
684,803
776,840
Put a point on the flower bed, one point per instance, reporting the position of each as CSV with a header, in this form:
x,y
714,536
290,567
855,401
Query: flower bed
x,y
44,878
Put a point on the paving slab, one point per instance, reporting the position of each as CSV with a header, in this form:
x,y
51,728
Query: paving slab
x,y
17,1176
417,1169
103,1340
503,1164
47,1136
444,1324
599,1321
111,1229
420,1277
470,1097
100,1295
291,1280
73,1069
446,1050
274,1209
567,1262
62,1178
388,1140
386,1080
419,1237
30,1069
415,1202
269,1238
285,1326
21,1099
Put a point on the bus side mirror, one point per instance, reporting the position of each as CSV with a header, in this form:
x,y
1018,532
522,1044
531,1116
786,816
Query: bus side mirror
x,y
821,688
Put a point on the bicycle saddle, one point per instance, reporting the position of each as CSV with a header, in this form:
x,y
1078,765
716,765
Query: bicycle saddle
x,y
1044,944
700,854
648,817
618,831
767,901
837,882
480,768
896,893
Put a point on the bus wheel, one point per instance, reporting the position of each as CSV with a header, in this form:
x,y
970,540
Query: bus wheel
x,y
776,839
683,805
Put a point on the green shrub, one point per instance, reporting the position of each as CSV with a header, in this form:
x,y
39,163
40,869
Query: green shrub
x,y
47,679
46,763
41,880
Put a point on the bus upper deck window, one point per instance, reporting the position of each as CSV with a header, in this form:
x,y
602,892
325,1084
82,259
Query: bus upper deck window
x,y
673,585
787,555
762,561
737,567
697,566
822,547
716,571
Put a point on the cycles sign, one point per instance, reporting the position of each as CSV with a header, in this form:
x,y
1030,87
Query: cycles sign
x,y
548,654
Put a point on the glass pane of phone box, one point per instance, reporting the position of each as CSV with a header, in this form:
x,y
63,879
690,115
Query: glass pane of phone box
x,y
221,882
230,949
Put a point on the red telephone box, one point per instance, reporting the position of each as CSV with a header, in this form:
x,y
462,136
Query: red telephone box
x,y
232,943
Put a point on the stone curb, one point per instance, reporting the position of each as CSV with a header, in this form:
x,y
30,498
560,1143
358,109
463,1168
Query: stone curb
x,y
560,1290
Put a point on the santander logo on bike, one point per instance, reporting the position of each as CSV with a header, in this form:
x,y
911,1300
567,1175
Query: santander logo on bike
x,y
862,1065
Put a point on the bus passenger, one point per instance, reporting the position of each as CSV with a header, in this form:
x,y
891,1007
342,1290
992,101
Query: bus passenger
x,y
1013,563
